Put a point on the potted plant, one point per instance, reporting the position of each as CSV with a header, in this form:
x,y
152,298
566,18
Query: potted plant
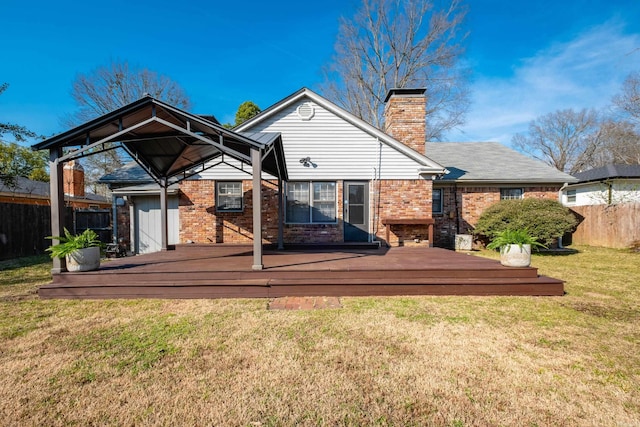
x,y
515,247
81,251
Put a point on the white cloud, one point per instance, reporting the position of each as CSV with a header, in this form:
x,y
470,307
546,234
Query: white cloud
x,y
582,73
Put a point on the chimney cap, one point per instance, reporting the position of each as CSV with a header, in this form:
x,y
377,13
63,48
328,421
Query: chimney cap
x,y
405,92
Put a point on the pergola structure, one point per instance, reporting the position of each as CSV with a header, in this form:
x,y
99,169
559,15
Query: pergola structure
x,y
171,145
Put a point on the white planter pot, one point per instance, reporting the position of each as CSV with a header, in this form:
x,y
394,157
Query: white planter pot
x,y
463,242
515,256
86,259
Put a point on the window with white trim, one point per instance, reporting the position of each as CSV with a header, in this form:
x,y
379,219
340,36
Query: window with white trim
x,y
437,201
571,196
311,202
229,196
511,193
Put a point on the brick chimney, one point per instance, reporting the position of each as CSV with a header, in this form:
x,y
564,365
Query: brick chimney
x,y
73,177
405,115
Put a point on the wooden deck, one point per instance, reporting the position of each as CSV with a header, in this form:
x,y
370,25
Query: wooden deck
x,y
219,271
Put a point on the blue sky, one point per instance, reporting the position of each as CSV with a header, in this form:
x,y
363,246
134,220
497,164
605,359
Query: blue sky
x,y
528,58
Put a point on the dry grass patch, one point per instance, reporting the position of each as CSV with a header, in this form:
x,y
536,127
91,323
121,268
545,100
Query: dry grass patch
x,y
443,361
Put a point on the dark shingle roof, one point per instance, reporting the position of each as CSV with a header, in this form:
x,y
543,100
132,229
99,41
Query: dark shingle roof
x,y
29,187
26,186
609,172
491,162
130,173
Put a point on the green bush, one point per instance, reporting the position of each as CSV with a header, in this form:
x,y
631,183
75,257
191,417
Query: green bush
x,y
544,219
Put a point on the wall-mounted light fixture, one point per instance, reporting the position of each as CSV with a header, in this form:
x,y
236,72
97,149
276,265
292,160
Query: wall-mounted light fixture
x,y
306,162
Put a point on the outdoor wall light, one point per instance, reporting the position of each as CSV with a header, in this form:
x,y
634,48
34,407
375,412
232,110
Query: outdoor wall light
x,y
306,162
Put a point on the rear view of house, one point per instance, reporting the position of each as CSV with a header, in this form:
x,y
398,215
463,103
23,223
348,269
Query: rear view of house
x,y
347,182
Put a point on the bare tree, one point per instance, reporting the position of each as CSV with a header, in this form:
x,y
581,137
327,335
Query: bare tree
x,y
108,88
628,100
400,44
621,144
568,140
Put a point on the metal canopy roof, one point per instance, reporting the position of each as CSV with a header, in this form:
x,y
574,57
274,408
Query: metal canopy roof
x,y
168,142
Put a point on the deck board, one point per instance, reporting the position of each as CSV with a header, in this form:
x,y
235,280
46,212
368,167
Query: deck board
x,y
224,271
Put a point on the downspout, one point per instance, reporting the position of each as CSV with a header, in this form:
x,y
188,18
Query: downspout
x,y
564,187
377,184
456,208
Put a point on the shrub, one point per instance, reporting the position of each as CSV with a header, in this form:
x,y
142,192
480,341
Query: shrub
x,y
544,219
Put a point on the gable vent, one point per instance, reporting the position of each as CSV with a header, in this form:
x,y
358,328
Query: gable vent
x,y
305,111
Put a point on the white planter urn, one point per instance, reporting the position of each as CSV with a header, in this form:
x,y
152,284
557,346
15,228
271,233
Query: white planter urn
x,y
86,259
515,256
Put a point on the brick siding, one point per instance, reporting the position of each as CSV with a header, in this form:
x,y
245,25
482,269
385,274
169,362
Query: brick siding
x,y
403,199
470,203
405,120
201,223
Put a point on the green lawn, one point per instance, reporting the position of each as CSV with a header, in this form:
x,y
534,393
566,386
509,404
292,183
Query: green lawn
x,y
442,361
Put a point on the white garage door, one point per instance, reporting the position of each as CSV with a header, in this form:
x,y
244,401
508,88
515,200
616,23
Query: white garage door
x,y
147,224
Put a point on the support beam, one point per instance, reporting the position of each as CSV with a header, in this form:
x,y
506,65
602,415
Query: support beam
x,y
164,216
256,163
280,214
114,218
56,184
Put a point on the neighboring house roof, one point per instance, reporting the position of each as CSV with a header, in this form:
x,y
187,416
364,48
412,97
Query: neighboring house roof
x,y
427,164
491,162
609,172
37,189
27,187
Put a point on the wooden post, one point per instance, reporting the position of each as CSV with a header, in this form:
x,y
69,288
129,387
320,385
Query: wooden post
x,y
164,232
56,184
256,163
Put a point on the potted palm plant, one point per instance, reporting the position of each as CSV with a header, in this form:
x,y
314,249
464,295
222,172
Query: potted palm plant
x,y
81,251
515,247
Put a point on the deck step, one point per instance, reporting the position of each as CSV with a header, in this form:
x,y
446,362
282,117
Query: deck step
x,y
225,272
114,276
308,287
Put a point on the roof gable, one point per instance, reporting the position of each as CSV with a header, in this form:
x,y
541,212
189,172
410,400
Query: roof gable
x,y
428,164
166,141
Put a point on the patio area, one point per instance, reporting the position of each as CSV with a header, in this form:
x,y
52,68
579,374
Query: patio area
x,y
224,271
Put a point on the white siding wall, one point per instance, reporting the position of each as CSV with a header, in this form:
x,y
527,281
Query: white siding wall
x,y
337,148
595,193
226,172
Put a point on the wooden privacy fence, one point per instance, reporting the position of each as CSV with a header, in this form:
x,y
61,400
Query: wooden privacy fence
x,y
24,228
612,226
